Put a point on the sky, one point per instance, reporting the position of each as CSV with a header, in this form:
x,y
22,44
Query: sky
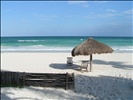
x,y
66,18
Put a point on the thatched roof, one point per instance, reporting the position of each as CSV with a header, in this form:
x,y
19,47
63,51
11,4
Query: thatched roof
x,y
91,46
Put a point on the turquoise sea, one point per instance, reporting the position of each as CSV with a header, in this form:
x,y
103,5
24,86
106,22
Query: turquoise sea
x,y
60,43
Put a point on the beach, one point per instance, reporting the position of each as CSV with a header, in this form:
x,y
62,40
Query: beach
x,y
37,38
111,77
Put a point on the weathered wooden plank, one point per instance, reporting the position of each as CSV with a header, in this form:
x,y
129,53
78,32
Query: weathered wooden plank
x,y
47,79
39,82
34,80
46,76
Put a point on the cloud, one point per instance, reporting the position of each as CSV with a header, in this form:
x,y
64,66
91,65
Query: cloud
x,y
101,1
82,3
111,10
105,15
130,11
76,2
110,13
45,17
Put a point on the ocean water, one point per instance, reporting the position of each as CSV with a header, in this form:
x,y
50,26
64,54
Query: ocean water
x,y
60,43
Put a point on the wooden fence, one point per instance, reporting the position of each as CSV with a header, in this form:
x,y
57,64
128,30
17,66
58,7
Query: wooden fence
x,y
60,80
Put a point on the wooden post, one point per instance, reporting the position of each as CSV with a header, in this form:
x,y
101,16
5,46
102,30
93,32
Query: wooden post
x,y
90,62
18,80
23,78
73,82
66,81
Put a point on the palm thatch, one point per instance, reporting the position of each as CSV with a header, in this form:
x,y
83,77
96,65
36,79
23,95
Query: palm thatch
x,y
89,47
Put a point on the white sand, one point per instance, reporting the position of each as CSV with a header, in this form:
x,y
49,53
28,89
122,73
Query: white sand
x,y
111,77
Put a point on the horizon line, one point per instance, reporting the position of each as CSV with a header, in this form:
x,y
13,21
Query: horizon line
x,y
66,36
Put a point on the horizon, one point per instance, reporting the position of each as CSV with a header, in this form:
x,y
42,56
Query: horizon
x,y
70,36
66,18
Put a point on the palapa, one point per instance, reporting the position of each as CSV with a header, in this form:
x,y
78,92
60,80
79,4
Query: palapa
x,y
89,47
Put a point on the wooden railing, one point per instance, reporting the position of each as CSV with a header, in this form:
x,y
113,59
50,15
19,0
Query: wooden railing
x,y
59,80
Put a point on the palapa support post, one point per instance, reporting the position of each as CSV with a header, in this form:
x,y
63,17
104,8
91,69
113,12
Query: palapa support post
x,y
90,62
